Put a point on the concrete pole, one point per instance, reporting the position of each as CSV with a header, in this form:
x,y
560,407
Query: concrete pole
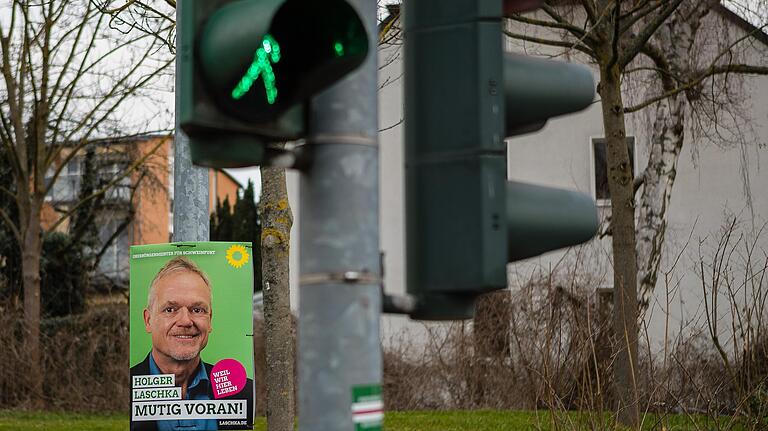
x,y
340,361
190,183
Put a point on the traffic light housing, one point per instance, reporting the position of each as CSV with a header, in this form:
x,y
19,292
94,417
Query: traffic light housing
x,y
248,66
464,95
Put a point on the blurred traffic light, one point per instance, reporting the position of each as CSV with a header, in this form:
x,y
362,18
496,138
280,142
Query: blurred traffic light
x,y
464,95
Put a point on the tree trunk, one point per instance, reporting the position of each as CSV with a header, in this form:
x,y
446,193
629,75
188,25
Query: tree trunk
x,y
276,221
30,267
659,177
676,40
620,184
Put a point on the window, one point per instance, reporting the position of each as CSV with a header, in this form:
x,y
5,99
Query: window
x,y
73,167
67,185
114,261
120,192
600,168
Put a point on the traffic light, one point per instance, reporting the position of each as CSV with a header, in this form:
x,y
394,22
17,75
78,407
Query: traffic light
x,y
464,95
248,66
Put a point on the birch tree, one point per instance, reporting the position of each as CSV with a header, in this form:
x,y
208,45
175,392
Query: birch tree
x,y
65,83
688,83
616,36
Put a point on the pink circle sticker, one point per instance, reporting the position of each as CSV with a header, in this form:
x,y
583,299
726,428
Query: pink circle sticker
x,y
227,378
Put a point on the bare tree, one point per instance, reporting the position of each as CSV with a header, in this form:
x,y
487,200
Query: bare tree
x,y
682,67
64,83
614,35
277,220
158,21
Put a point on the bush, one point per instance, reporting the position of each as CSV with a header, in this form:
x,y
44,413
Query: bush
x,y
85,360
63,276
549,344
540,347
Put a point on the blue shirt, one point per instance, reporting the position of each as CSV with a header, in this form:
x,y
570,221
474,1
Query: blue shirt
x,y
197,389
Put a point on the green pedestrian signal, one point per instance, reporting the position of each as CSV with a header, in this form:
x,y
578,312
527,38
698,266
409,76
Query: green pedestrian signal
x,y
464,95
249,66
339,48
266,54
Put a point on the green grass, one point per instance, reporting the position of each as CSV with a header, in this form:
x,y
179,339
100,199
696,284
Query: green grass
x,y
47,421
492,420
458,420
23,421
482,420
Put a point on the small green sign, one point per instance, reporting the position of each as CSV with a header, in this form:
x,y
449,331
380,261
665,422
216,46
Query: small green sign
x,y
367,407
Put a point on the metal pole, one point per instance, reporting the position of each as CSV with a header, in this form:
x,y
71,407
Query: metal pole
x,y
190,183
340,362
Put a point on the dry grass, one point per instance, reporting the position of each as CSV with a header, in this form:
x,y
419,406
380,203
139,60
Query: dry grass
x,y
549,345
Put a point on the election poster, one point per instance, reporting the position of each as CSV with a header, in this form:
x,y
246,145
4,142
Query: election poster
x,y
191,336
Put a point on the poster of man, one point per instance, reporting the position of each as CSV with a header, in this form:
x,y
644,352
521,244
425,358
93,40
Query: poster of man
x,y
191,344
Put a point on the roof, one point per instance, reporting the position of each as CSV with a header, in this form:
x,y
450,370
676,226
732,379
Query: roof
x,y
122,139
393,11
745,25
228,175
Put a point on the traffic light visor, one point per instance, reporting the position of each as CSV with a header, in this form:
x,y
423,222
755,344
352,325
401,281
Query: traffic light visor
x,y
260,57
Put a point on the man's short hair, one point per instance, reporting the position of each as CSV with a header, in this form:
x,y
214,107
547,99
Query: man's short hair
x,y
174,265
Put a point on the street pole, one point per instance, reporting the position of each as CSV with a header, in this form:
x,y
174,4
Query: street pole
x,y
340,361
190,183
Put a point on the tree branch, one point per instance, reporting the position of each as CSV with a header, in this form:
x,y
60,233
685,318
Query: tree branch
x,y
383,33
636,15
656,55
616,36
631,51
123,225
550,42
147,14
18,158
84,140
119,9
549,24
114,104
9,223
637,183
713,70
635,9
567,25
71,86
55,150
71,56
9,147
591,11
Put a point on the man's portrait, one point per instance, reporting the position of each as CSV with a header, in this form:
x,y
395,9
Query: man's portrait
x,y
178,318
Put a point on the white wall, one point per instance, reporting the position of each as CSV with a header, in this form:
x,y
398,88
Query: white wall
x,y
708,185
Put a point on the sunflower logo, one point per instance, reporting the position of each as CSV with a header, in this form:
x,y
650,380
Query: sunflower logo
x,y
237,256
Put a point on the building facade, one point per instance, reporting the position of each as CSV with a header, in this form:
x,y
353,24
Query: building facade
x,y
138,209
717,180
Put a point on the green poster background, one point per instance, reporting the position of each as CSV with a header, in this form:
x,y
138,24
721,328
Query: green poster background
x,y
232,303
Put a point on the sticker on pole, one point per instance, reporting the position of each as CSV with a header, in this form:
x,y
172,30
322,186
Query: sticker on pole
x,y
367,408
